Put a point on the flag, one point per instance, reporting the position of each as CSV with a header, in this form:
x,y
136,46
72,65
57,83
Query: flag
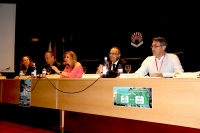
x,y
54,50
50,49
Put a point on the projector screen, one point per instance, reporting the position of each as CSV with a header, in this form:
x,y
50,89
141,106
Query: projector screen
x,y
7,37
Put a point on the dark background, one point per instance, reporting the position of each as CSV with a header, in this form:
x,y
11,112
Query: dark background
x,y
95,27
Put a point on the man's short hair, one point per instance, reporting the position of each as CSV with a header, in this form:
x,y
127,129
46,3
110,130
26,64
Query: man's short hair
x,y
50,52
162,41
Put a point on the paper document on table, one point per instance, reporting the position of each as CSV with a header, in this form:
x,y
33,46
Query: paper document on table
x,y
188,75
2,77
52,76
90,76
150,77
130,75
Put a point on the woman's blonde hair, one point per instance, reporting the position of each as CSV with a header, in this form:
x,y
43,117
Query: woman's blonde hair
x,y
73,58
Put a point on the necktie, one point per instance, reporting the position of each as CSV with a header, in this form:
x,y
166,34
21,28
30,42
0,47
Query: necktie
x,y
113,66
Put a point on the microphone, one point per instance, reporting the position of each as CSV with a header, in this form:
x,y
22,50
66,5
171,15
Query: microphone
x,y
6,69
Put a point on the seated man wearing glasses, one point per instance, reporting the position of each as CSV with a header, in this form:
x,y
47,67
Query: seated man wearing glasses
x,y
114,63
161,62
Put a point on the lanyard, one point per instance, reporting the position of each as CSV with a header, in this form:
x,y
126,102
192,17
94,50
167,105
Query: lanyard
x,y
160,64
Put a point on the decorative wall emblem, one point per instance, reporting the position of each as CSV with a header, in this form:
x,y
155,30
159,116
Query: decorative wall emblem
x,y
136,39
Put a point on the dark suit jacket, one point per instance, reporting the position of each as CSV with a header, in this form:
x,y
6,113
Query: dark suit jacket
x,y
28,71
57,64
114,73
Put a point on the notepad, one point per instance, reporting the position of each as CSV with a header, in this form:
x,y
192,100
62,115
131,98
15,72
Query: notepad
x,y
187,75
90,76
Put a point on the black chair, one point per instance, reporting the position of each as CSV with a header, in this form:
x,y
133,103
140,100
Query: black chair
x,y
134,62
91,65
40,67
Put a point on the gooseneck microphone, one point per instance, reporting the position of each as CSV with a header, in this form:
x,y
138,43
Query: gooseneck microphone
x,y
8,68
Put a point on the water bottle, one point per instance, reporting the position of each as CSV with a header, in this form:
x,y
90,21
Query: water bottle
x,y
21,73
120,69
44,72
105,67
34,71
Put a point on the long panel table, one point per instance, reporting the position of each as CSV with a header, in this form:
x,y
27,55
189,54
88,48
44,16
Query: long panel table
x,y
174,100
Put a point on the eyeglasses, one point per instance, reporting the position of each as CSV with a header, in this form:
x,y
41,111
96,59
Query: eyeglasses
x,y
155,46
112,54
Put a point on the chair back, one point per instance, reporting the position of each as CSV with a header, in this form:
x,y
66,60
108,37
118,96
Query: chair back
x,y
134,62
91,65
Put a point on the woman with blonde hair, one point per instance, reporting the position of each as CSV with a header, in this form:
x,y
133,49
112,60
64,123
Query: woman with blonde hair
x,y
73,69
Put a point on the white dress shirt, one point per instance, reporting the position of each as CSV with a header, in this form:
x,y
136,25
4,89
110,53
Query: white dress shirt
x,y
169,63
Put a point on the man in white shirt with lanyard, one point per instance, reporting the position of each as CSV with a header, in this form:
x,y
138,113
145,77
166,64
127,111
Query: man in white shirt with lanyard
x,y
161,62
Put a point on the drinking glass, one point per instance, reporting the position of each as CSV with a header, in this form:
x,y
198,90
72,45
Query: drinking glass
x,y
84,70
48,71
128,68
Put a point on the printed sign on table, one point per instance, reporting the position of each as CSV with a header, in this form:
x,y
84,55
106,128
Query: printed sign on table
x,y
133,97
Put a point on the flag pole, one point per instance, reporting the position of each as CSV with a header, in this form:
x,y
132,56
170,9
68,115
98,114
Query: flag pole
x,y
54,50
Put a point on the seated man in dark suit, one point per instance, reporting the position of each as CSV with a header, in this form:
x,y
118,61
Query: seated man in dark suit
x,y
50,60
114,63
